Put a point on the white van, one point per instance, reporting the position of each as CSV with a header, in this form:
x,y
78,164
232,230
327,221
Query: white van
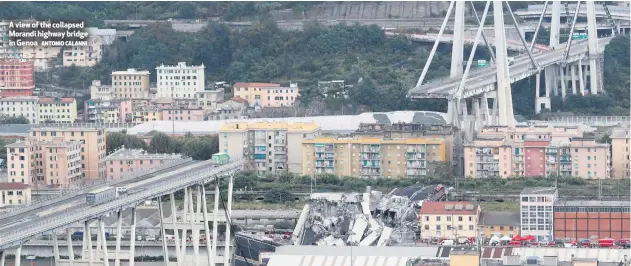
x,y
447,242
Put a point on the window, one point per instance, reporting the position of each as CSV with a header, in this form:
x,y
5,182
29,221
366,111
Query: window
x,y
426,227
427,218
470,218
459,227
438,218
448,218
459,218
438,227
470,227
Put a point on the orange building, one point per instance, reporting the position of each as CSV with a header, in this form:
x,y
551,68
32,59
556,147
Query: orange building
x,y
585,219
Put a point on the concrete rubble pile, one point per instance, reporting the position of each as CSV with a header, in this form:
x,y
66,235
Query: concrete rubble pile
x,y
366,219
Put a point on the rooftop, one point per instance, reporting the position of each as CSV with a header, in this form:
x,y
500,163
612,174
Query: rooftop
x,y
129,154
56,100
449,207
366,140
290,127
255,85
539,190
131,71
7,186
179,65
620,133
19,99
334,124
15,130
592,203
499,218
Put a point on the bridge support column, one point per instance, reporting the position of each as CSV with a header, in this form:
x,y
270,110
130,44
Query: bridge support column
x,y
211,257
88,236
226,254
132,244
2,257
184,231
56,248
165,248
563,89
119,234
504,95
573,68
70,248
485,109
457,50
18,255
215,224
176,234
594,52
106,260
555,23
478,115
581,77
194,233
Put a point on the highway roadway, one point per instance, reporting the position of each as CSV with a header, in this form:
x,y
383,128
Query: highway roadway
x,y
52,207
203,172
483,80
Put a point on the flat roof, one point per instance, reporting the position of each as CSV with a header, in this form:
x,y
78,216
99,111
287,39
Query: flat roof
x,y
377,140
227,127
499,218
539,190
140,154
592,203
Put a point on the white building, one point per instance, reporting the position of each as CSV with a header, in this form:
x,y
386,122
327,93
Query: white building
x,y
88,56
537,213
99,91
19,106
181,81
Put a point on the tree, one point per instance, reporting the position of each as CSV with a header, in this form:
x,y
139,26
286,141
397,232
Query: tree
x,y
116,140
278,195
161,143
13,120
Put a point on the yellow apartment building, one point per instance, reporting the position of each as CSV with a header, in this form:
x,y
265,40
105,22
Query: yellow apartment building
x,y
451,220
59,110
93,151
14,194
130,84
148,113
499,224
371,157
271,148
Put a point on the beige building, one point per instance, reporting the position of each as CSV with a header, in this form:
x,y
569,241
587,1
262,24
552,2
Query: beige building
x,y
371,157
130,84
88,56
123,162
19,106
49,163
99,91
58,110
92,152
14,194
448,219
272,148
620,152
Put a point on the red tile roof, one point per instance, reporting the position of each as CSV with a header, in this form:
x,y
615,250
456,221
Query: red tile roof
x,y
46,100
439,207
239,99
67,100
53,100
255,85
5,186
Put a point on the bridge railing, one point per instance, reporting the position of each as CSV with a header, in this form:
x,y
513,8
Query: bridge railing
x,y
10,236
76,191
592,120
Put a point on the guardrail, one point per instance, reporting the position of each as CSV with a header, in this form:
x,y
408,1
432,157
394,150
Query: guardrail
x,y
14,236
592,120
71,193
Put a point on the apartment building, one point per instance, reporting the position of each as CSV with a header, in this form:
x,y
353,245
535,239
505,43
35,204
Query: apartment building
x,y
183,114
234,108
107,111
100,91
88,56
518,133
124,161
499,224
620,152
92,152
210,98
16,77
146,113
266,94
130,84
272,148
15,194
20,106
538,154
49,163
576,219
453,141
20,163
371,157
180,81
537,215
40,56
449,219
59,110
